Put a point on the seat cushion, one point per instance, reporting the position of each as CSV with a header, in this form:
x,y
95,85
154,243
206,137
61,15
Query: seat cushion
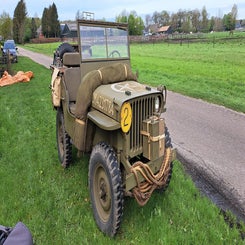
x,y
71,59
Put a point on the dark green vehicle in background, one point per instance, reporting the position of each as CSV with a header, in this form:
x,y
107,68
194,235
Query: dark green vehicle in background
x,y
102,109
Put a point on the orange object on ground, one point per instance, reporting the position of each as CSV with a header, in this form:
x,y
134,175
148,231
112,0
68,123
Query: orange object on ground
x,y
19,77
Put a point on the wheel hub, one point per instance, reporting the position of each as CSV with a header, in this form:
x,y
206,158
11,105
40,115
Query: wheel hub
x,y
104,195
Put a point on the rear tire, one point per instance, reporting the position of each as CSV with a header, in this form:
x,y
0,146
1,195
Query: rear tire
x,y
63,140
106,192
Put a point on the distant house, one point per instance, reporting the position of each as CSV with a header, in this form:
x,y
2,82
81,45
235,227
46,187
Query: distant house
x,y
155,29
151,29
62,27
164,30
68,30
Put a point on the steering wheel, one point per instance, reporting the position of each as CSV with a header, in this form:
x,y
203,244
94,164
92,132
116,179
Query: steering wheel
x,y
114,54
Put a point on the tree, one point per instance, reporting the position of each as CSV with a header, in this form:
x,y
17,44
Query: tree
x,y
45,30
185,22
164,18
229,20
20,14
5,26
135,23
33,28
196,20
156,18
27,33
212,23
54,21
140,25
131,24
204,21
218,25
148,20
50,22
123,17
174,22
234,12
181,20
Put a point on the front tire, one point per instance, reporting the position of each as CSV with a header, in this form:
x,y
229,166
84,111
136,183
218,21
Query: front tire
x,y
105,185
63,140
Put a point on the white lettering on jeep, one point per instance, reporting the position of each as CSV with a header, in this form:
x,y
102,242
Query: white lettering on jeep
x,y
103,103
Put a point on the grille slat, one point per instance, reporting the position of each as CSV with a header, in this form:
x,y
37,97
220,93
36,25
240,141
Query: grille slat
x,y
142,108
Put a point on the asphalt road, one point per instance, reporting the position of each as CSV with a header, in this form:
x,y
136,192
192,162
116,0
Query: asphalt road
x,y
39,58
210,141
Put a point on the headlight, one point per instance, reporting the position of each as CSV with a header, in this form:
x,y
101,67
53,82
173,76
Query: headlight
x,y
157,105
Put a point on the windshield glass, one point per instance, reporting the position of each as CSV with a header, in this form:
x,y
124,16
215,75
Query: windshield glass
x,y
103,42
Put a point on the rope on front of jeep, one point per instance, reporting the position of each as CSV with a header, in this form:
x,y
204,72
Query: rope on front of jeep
x,y
142,192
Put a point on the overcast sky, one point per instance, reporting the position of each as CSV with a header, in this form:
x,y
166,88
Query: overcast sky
x,y
109,9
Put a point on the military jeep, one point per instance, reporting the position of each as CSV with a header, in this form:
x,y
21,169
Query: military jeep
x,y
102,109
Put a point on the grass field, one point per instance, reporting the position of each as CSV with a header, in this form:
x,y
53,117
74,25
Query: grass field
x,y
215,74
210,71
54,203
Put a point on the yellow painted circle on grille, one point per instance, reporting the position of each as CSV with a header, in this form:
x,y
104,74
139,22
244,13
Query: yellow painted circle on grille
x,y
126,117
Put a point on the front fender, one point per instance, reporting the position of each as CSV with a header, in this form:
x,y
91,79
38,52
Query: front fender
x,y
102,121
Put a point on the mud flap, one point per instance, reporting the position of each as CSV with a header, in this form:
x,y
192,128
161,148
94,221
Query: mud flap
x,y
80,134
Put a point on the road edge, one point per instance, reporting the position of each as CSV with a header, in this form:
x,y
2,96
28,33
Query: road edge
x,y
199,172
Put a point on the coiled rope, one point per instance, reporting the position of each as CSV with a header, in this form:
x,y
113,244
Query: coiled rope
x,y
142,192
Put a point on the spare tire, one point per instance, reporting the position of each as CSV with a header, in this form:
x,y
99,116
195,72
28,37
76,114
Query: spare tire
x,y
59,53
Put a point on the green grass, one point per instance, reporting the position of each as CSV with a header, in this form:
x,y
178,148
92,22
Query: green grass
x,y
210,71
43,48
201,70
54,203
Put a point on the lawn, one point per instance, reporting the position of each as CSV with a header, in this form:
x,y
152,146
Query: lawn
x,y
201,70
212,71
54,203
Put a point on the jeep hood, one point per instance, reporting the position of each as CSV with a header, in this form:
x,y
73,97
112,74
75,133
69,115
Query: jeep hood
x,y
109,98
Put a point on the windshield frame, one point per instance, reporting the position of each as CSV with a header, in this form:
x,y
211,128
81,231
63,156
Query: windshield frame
x,y
101,41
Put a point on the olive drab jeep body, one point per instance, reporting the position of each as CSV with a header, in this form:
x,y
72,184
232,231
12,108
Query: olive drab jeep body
x,y
102,109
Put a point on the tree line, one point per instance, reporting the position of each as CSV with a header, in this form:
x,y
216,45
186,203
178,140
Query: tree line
x,y
182,22
22,28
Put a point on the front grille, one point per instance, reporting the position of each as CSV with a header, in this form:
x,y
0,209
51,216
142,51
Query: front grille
x,y
142,108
